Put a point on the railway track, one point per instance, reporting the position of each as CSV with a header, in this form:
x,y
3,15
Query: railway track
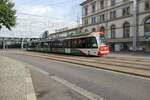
x,y
121,67
119,62
129,59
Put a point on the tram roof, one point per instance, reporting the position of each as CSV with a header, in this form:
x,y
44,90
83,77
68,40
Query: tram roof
x,y
66,38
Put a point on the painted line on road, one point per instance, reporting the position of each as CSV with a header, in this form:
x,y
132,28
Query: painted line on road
x,y
82,91
79,90
41,71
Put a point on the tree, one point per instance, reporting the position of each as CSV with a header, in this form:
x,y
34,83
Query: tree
x,y
7,14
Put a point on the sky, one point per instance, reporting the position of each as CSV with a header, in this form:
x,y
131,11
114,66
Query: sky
x,y
36,16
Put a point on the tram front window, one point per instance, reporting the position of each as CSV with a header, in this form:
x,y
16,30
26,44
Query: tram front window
x,y
102,41
93,42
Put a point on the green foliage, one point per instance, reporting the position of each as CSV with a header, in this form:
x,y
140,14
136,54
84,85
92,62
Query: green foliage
x,y
7,14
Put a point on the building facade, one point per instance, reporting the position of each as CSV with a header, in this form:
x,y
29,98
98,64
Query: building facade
x,y
66,32
117,19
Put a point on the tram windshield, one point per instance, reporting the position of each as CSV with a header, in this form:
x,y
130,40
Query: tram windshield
x,y
102,41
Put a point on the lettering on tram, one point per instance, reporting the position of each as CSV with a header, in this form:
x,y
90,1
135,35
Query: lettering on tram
x,y
91,45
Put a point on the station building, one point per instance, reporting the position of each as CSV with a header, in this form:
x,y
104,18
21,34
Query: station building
x,y
116,18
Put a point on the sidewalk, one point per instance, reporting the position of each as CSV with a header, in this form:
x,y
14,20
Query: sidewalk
x,y
15,81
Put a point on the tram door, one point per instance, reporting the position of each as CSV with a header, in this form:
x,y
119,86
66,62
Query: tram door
x,y
93,46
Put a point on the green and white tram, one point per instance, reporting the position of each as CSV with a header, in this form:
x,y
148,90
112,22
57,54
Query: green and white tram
x,y
91,45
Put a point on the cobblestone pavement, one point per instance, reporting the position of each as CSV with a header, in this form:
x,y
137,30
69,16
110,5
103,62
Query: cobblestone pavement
x,y
13,80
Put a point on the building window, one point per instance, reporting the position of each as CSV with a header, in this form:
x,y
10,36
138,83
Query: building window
x,y
113,2
86,30
102,18
113,31
113,14
93,20
126,11
102,29
147,4
93,7
101,4
147,27
93,29
86,10
126,30
86,22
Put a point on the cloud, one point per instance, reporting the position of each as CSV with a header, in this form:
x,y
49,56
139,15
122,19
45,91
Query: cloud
x,y
46,15
34,19
38,10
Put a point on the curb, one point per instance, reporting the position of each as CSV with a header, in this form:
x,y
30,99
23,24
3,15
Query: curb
x,y
30,93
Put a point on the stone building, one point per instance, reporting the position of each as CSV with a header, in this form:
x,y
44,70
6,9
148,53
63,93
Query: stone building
x,y
117,19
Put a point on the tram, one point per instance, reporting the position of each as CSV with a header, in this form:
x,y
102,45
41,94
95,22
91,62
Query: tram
x,y
90,45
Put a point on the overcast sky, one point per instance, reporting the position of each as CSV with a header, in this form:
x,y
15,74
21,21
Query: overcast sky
x,y
35,16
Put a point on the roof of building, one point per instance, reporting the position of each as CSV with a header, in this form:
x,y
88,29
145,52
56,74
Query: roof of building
x,y
72,29
85,2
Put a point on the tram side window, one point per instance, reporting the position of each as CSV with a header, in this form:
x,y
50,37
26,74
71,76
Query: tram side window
x,y
68,43
45,45
60,44
89,45
54,44
83,43
33,45
92,42
64,42
50,44
74,43
37,45
88,42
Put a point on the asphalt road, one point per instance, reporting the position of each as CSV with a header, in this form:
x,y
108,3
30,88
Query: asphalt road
x,y
112,86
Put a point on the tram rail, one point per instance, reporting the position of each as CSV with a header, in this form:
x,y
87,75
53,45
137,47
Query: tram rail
x,y
104,61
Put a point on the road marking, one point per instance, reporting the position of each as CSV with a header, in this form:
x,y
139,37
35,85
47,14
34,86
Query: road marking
x,y
79,90
41,71
82,91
